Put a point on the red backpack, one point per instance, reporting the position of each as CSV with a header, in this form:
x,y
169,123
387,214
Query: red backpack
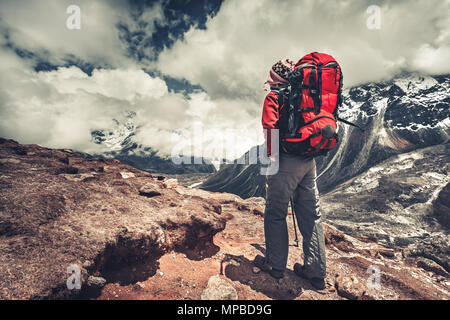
x,y
309,106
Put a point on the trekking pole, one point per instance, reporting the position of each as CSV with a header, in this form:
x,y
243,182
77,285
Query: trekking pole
x,y
295,226
350,124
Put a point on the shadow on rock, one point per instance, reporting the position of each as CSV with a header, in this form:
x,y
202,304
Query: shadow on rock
x,y
201,250
239,268
126,265
259,247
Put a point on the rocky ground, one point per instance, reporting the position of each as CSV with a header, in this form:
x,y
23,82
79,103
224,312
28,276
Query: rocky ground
x,y
403,201
134,235
191,180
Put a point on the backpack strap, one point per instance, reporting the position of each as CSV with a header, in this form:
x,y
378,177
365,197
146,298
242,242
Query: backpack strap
x,y
319,88
288,101
281,92
314,87
341,82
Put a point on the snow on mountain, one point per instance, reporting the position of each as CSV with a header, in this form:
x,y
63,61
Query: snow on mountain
x,y
120,143
118,137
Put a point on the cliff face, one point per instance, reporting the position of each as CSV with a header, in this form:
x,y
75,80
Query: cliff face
x,y
138,236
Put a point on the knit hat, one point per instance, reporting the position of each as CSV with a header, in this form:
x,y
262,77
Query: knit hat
x,y
279,72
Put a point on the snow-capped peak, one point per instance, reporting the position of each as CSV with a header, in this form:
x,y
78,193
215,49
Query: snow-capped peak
x,y
414,84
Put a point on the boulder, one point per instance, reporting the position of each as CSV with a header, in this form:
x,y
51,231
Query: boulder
x,y
349,287
432,266
441,206
97,282
126,175
150,190
219,289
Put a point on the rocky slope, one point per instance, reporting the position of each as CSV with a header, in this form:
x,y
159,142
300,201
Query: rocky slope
x,y
406,113
58,209
402,201
137,236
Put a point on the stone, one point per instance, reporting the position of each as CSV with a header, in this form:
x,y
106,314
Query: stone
x,y
68,170
219,289
10,160
349,287
127,175
441,206
170,183
258,212
149,190
432,266
79,177
213,205
387,252
97,282
138,286
435,248
243,207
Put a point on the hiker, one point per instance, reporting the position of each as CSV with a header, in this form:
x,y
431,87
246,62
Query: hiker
x,y
296,177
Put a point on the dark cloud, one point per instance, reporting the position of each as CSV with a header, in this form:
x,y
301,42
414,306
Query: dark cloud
x,y
155,25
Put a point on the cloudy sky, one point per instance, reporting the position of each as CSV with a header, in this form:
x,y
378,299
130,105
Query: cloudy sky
x,y
192,65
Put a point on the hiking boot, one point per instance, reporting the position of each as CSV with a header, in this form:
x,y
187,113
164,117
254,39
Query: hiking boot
x,y
318,283
261,263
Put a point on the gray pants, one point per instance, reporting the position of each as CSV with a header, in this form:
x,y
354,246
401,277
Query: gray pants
x,y
296,177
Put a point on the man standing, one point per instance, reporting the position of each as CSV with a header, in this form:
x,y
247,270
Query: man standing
x,y
295,178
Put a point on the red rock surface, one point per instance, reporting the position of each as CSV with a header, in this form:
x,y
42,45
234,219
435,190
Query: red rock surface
x,y
153,239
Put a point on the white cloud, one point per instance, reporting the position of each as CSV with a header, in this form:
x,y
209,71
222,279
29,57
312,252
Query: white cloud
x,y
204,127
61,108
40,27
229,59
232,56
129,84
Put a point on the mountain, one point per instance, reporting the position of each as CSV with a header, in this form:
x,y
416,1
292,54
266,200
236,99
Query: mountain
x,y
121,145
401,201
122,233
409,112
